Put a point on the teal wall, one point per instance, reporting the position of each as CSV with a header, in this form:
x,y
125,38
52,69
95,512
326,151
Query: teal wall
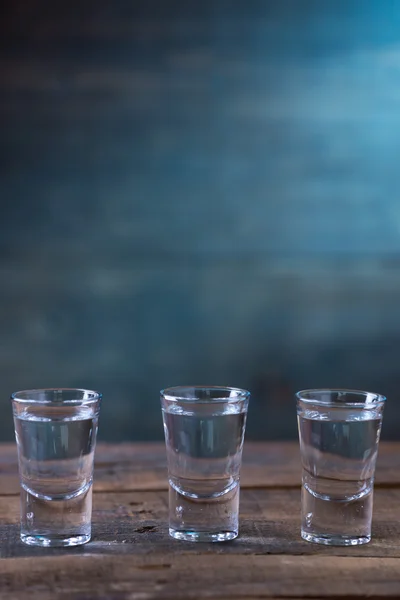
x,y
200,192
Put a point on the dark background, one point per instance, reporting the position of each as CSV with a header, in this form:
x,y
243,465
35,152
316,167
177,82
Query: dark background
x,y
200,192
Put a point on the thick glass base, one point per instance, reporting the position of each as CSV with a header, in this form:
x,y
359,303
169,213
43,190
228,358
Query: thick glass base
x,y
54,541
202,536
335,540
61,522
204,511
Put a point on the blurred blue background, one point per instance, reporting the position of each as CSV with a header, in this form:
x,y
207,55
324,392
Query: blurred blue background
x,y
200,192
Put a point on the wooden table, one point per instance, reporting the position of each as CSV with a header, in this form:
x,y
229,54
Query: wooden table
x,y
131,556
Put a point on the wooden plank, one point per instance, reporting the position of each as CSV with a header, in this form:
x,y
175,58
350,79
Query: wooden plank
x,y
126,467
102,595
175,577
137,523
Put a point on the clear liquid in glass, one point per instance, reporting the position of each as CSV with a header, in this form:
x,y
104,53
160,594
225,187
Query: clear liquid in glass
x,y
56,449
204,451
339,450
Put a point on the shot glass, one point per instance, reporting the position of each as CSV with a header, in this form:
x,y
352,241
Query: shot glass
x,y
339,434
55,431
204,431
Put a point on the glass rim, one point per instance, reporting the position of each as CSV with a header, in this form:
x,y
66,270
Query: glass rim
x,y
173,394
371,398
89,396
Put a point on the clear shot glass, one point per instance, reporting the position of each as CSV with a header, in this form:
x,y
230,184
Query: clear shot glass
x,y
339,434
204,431
55,431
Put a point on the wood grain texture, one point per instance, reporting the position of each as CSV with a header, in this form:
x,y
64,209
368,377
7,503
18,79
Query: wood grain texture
x,y
199,576
137,523
132,557
129,467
